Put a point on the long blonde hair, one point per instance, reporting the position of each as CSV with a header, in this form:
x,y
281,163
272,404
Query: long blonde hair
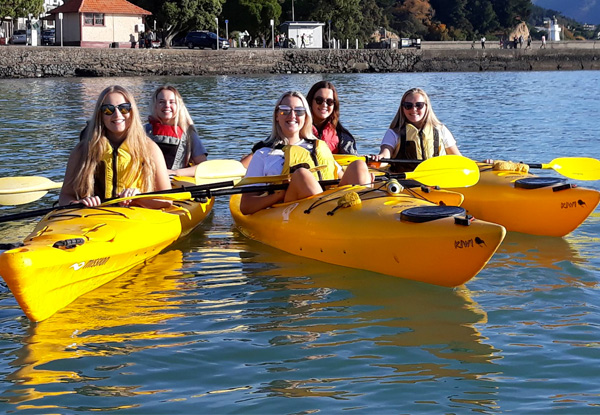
x,y
182,118
430,119
95,143
277,136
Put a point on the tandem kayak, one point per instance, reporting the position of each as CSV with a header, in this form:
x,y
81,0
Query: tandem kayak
x,y
73,251
523,202
390,233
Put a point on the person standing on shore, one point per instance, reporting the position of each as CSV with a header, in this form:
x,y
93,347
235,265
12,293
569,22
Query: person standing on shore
x,y
543,45
528,42
482,42
415,133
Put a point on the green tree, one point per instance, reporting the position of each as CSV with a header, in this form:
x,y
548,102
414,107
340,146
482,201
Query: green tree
x,y
252,15
20,8
177,16
482,16
345,15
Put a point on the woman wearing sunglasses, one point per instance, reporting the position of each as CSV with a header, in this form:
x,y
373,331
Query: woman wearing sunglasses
x,y
415,132
172,128
115,158
292,148
325,110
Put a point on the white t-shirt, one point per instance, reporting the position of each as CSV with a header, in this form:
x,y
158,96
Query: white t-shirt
x,y
391,138
269,161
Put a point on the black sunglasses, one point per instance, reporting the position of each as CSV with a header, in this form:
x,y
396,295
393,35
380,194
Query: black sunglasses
x,y
285,110
417,105
109,109
328,101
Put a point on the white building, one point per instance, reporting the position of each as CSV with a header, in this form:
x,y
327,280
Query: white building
x,y
311,32
554,30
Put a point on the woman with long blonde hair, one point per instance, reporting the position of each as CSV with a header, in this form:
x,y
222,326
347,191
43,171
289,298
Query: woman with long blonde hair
x,y
292,149
416,133
115,158
172,128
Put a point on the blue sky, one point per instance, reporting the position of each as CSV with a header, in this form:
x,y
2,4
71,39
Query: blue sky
x,y
584,11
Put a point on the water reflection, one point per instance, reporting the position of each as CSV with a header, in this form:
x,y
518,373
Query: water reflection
x,y
106,321
348,319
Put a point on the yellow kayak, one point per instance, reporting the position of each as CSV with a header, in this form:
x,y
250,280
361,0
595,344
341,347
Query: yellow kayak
x,y
73,251
526,203
394,234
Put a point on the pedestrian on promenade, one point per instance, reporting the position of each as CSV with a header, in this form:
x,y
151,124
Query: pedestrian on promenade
x,y
543,45
482,42
528,42
473,44
303,44
521,41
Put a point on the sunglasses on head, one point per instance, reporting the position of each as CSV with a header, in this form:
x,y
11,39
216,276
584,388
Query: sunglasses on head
x,y
417,105
285,110
109,109
328,101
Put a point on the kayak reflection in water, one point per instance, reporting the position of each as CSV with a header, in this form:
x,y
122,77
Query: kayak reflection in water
x,y
291,149
415,132
115,158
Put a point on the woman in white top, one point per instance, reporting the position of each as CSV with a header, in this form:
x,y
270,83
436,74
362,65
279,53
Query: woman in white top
x,y
283,152
415,132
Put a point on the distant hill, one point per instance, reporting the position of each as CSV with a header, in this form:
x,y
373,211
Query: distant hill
x,y
584,11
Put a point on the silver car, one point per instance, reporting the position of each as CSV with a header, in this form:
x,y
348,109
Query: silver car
x,y
19,37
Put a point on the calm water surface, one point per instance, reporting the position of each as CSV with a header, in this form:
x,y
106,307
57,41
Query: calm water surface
x,y
221,324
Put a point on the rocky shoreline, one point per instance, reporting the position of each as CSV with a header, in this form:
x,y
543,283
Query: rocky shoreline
x,y
37,62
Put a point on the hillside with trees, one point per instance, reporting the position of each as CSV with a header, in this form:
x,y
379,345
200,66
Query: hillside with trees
x,y
358,19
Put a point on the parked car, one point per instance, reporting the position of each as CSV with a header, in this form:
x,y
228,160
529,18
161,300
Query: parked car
x,y
204,39
48,37
19,37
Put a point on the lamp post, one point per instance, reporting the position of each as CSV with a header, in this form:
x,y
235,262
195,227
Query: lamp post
x,y
329,35
227,29
217,21
273,34
293,19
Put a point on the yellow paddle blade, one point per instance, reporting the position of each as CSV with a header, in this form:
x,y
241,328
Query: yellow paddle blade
x,y
24,189
578,168
26,184
272,179
446,171
346,159
217,170
164,196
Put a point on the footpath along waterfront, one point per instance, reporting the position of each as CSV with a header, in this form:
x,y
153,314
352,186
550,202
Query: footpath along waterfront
x,y
223,325
36,62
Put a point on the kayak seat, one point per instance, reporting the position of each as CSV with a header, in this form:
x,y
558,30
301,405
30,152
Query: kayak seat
x,y
428,213
538,182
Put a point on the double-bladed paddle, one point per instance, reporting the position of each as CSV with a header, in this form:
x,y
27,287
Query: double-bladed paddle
x,y
26,189
443,171
577,168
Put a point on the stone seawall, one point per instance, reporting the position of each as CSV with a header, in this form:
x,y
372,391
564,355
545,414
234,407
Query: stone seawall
x,y
31,62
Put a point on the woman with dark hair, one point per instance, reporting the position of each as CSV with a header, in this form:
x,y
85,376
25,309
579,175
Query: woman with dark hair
x,y
325,109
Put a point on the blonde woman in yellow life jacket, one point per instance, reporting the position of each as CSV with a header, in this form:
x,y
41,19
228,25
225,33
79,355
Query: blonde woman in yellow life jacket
x,y
415,132
115,158
291,147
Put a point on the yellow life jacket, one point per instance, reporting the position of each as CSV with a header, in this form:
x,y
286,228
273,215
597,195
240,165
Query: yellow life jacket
x,y
116,172
415,144
320,156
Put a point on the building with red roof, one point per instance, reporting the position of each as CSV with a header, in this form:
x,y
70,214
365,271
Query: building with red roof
x,y
99,23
